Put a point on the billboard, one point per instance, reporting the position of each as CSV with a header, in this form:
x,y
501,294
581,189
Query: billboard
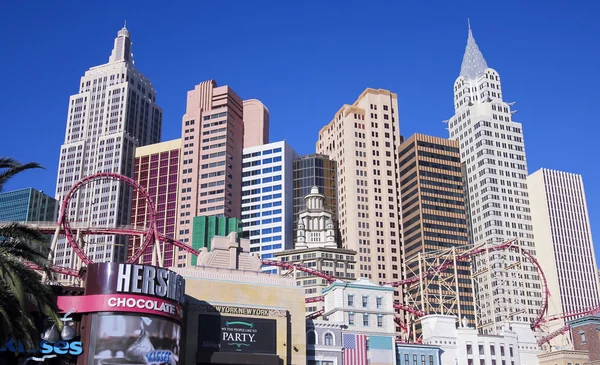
x,y
237,334
133,339
144,280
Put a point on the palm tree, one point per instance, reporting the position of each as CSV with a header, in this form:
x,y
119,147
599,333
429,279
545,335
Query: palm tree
x,y
21,287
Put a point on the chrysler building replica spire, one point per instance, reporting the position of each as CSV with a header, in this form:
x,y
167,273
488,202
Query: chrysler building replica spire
x,y
492,149
315,224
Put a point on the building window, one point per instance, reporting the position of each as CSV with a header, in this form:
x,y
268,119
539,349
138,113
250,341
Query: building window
x,y
469,349
365,320
351,319
380,320
379,302
329,340
365,301
430,359
350,300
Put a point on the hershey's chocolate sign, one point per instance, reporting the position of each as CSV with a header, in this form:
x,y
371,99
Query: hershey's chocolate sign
x,y
150,280
114,277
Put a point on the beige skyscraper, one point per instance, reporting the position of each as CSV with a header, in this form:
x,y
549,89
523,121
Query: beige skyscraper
x,y
363,138
565,248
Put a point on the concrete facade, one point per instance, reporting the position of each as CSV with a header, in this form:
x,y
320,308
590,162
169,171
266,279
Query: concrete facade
x,y
493,151
564,243
324,343
157,171
515,344
267,198
434,220
585,332
256,123
361,308
364,307
113,113
363,138
228,282
564,357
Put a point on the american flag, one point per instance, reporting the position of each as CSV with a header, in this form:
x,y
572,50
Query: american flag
x,y
355,349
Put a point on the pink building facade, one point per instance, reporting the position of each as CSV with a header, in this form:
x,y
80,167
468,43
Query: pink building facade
x,y
256,123
157,170
215,129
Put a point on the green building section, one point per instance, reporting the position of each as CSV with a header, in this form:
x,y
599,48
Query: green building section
x,y
205,228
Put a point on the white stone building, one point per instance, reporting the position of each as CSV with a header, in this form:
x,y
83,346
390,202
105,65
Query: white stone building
x,y
316,247
113,113
315,224
361,305
493,152
354,308
564,243
514,343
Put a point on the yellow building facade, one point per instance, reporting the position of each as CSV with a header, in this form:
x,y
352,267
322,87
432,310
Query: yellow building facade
x,y
235,312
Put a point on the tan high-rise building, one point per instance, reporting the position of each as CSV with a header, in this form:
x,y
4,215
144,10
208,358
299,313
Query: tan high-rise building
x,y
363,138
212,141
434,220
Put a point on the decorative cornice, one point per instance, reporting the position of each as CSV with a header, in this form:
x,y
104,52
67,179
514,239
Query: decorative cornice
x,y
324,324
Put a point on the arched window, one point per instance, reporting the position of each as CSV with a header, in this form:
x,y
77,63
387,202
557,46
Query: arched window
x,y
311,338
329,339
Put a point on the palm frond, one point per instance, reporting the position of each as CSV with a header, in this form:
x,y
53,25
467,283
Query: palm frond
x,y
12,167
22,233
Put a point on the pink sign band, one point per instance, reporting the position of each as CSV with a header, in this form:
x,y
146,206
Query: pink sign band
x,y
120,303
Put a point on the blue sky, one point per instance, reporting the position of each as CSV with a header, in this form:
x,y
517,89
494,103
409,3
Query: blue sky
x,y
304,60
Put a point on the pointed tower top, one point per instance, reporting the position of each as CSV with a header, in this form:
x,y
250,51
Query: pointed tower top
x,y
473,63
125,25
122,46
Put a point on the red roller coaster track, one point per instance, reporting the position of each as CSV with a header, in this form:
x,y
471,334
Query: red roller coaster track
x,y
151,236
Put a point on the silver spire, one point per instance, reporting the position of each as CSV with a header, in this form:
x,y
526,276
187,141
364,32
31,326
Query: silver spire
x,y
473,63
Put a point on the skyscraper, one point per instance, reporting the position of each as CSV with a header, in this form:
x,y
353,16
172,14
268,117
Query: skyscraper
x,y
563,239
113,113
267,198
492,149
213,133
157,170
434,221
315,170
363,139
27,205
